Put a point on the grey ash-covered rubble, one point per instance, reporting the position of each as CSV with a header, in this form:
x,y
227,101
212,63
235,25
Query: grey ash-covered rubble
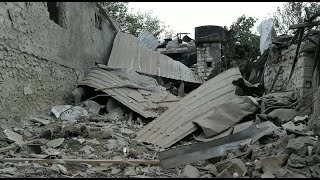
x,y
133,107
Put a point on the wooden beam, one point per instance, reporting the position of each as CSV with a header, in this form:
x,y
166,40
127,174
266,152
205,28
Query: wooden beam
x,y
304,25
88,161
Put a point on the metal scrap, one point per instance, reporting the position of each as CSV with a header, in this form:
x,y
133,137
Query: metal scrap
x,y
177,122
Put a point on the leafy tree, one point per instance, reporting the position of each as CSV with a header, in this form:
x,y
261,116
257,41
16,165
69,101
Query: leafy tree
x,y
293,13
134,23
242,45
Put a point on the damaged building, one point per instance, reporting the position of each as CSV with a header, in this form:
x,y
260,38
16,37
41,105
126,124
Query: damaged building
x,y
80,98
46,48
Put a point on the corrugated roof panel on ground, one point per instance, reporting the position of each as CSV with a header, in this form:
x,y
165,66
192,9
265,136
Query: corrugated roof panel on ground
x,y
176,123
100,78
127,52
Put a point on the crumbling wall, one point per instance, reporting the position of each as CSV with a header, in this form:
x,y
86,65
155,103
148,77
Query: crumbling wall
x,y
301,80
41,60
208,58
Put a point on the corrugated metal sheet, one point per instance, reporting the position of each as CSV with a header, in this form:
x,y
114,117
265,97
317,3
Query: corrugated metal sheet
x,y
137,100
148,40
127,52
176,123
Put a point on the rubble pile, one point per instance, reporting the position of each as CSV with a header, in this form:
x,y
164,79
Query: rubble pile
x,y
124,123
94,140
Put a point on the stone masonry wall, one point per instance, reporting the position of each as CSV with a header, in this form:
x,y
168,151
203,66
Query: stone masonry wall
x,y
208,53
40,60
301,80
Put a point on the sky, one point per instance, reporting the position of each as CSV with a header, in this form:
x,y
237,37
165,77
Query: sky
x,y
185,16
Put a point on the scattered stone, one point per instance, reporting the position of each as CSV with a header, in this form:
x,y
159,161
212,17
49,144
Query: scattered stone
x,y
300,118
115,171
291,126
129,171
272,164
296,161
235,175
212,168
52,152
87,149
94,141
206,176
36,165
62,169
13,136
115,114
55,143
81,140
145,170
299,145
92,106
106,134
309,148
9,170
267,174
190,172
39,120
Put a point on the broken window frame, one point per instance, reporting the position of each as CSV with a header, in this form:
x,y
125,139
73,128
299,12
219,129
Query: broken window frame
x,y
58,19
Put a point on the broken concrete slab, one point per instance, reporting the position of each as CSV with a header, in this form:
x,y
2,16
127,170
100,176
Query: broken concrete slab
x,y
272,164
115,171
91,106
129,171
190,172
39,120
87,149
126,131
106,134
267,175
291,126
299,145
55,142
13,136
115,114
300,118
62,169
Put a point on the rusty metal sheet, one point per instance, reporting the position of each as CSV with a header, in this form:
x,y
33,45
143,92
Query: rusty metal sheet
x,y
100,78
176,123
128,52
148,40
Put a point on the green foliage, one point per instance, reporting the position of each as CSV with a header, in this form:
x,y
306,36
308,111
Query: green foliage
x,y
293,13
248,47
134,23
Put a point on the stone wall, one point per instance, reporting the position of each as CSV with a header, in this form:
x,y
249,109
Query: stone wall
x,y
41,60
208,58
301,80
